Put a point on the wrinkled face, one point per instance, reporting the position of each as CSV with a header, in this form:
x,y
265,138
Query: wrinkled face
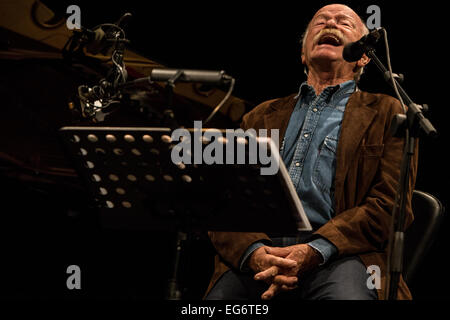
x,y
331,28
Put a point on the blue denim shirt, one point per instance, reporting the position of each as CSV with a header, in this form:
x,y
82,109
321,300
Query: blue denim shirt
x,y
309,153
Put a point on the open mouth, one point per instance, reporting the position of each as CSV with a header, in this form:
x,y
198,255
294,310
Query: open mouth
x,y
330,39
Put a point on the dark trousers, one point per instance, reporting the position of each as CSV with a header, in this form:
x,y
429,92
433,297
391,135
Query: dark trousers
x,y
341,279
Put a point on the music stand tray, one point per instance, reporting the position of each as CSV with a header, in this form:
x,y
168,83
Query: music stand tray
x,y
131,176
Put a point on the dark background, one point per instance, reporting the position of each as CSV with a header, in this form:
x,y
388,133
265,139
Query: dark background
x,y
257,42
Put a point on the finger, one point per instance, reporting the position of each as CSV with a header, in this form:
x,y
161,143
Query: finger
x,y
267,274
274,289
286,288
271,292
278,251
283,280
281,262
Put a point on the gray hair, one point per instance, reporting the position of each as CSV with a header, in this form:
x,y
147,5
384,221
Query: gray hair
x,y
365,31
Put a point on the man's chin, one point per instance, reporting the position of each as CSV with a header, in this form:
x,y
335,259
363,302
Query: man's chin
x,y
328,50
327,54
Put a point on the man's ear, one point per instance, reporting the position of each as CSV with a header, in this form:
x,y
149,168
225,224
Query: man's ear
x,y
361,63
303,57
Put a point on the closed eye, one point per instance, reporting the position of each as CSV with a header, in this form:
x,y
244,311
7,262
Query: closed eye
x,y
319,21
346,23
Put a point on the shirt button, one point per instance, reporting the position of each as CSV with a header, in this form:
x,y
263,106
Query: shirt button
x,y
297,164
315,109
306,135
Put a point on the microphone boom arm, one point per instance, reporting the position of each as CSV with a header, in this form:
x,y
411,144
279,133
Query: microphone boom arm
x,y
414,110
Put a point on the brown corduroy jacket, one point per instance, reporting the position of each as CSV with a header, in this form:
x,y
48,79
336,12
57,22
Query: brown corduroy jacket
x,y
367,174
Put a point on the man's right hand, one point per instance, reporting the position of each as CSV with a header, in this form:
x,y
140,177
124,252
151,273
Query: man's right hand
x,y
262,260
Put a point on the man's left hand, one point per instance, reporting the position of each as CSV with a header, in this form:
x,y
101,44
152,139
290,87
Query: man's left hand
x,y
284,279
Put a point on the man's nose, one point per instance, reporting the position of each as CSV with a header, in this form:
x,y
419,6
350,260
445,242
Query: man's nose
x,y
331,23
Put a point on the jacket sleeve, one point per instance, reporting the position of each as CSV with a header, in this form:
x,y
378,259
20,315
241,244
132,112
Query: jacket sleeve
x,y
231,246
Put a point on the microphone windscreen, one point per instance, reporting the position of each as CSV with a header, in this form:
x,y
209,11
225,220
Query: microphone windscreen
x,y
352,51
97,44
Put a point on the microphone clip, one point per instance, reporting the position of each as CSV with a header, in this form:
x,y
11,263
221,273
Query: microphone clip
x,y
354,51
100,100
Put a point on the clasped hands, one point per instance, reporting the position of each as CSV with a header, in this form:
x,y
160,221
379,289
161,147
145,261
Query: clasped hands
x,y
280,267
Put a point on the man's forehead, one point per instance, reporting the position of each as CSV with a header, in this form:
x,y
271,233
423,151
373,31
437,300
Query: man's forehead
x,y
333,9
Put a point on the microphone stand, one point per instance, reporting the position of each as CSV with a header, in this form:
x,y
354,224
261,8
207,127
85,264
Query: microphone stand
x,y
173,291
407,126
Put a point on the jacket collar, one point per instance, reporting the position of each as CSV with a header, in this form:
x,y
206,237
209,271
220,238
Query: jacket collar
x,y
358,117
279,114
359,104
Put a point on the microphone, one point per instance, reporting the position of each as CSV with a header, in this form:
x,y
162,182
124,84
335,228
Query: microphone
x,y
96,40
186,75
353,51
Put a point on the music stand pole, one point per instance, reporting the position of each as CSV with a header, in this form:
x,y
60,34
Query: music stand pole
x,y
173,292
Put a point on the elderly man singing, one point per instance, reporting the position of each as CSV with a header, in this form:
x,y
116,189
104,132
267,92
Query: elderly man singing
x,y
345,166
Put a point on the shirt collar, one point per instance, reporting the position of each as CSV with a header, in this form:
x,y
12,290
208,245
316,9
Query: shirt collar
x,y
339,90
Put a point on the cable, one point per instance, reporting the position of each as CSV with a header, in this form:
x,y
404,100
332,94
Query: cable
x,y
391,74
122,72
112,26
220,105
394,276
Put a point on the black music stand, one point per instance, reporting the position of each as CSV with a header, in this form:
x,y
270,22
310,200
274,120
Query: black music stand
x,y
131,176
